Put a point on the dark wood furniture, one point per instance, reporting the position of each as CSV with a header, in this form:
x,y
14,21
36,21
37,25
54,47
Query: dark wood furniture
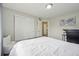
x,y
72,35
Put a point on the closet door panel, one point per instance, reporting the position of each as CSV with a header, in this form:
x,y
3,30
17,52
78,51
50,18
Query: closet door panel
x,y
24,27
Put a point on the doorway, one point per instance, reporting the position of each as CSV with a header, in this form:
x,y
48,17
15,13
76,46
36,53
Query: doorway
x,y
45,28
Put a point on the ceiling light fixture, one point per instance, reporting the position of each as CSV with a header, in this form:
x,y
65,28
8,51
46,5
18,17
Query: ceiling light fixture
x,y
49,6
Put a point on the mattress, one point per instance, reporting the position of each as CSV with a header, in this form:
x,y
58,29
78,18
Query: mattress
x,y
44,46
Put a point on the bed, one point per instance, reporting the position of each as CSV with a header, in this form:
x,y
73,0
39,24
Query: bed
x,y
44,46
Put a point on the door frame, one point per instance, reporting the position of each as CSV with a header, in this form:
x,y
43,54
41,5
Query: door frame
x,y
44,22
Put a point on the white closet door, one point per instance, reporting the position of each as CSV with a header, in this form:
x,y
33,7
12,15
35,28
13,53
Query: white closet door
x,y
24,27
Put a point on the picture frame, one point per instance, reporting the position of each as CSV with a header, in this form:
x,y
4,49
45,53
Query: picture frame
x,y
68,22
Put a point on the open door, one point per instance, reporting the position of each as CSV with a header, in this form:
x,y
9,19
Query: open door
x,y
44,28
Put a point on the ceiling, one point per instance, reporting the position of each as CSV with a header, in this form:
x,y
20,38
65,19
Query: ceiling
x,y
39,10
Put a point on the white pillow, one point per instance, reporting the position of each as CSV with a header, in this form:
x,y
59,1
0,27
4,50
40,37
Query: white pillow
x,y
7,40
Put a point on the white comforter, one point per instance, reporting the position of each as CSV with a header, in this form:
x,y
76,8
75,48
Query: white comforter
x,y
44,46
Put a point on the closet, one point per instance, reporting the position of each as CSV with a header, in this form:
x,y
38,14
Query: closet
x,y
24,27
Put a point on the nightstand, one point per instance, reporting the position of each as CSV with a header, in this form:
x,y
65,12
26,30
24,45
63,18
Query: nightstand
x,y
7,48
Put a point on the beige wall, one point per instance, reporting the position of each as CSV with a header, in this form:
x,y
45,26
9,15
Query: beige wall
x,y
8,21
57,30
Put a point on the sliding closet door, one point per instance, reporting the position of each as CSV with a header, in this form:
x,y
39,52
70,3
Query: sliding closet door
x,y
24,27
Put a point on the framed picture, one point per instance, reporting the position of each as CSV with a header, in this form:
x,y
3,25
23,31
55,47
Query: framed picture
x,y
70,21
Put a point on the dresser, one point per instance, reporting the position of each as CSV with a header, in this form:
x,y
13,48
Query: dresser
x,y
72,35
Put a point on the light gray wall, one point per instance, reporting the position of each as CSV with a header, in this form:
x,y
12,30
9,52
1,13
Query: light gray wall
x,y
57,30
0,29
8,21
